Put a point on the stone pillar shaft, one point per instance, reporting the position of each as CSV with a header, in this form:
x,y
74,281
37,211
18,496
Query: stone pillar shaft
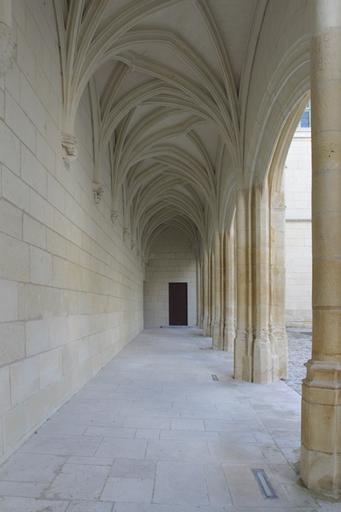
x,y
278,332
321,401
262,351
243,341
211,286
206,292
256,353
218,274
229,295
199,291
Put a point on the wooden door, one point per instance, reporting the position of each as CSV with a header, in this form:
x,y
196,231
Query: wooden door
x,y
178,314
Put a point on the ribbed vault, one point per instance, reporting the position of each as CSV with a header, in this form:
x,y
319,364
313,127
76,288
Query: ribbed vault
x,y
163,77
171,85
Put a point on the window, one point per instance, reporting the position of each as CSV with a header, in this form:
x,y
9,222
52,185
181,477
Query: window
x,y
305,121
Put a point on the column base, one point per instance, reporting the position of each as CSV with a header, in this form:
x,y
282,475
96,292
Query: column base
x,y
207,330
279,341
321,428
321,472
217,337
204,324
229,337
242,359
262,359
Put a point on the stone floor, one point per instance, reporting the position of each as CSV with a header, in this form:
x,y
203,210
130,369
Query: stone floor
x,y
299,347
154,432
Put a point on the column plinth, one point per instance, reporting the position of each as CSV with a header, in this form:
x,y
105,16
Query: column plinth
x,y
242,359
321,428
262,358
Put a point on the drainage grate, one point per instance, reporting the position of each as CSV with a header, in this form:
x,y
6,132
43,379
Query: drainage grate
x,y
214,377
264,484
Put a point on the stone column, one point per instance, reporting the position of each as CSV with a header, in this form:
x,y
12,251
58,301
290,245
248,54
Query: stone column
x,y
202,293
205,292
255,357
278,334
199,291
217,334
210,295
262,350
202,282
243,341
321,400
229,298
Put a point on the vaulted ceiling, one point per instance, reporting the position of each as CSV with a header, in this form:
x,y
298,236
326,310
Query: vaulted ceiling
x,y
166,81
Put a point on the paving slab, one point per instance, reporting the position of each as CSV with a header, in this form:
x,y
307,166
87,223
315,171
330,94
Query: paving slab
x,y
78,482
12,504
152,432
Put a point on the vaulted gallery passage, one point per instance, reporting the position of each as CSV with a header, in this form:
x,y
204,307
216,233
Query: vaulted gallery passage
x,y
142,152
170,283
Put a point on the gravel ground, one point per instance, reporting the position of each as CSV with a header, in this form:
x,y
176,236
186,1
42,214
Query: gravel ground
x,y
299,345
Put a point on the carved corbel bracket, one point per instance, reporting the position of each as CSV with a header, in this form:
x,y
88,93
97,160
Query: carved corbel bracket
x,y
98,192
114,216
69,145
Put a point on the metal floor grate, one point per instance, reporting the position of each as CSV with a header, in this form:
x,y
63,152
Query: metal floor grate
x,y
264,484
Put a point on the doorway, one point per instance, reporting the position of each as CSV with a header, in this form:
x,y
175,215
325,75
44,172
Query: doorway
x,y
178,308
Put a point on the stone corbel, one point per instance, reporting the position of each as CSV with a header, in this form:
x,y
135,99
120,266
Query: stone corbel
x,y
98,192
126,233
7,43
69,146
114,216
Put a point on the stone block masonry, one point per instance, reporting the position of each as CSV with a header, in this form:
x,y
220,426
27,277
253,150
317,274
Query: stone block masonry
x,y
171,260
70,289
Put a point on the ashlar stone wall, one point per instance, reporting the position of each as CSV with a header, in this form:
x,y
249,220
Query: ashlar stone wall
x,y
298,243
71,289
171,261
